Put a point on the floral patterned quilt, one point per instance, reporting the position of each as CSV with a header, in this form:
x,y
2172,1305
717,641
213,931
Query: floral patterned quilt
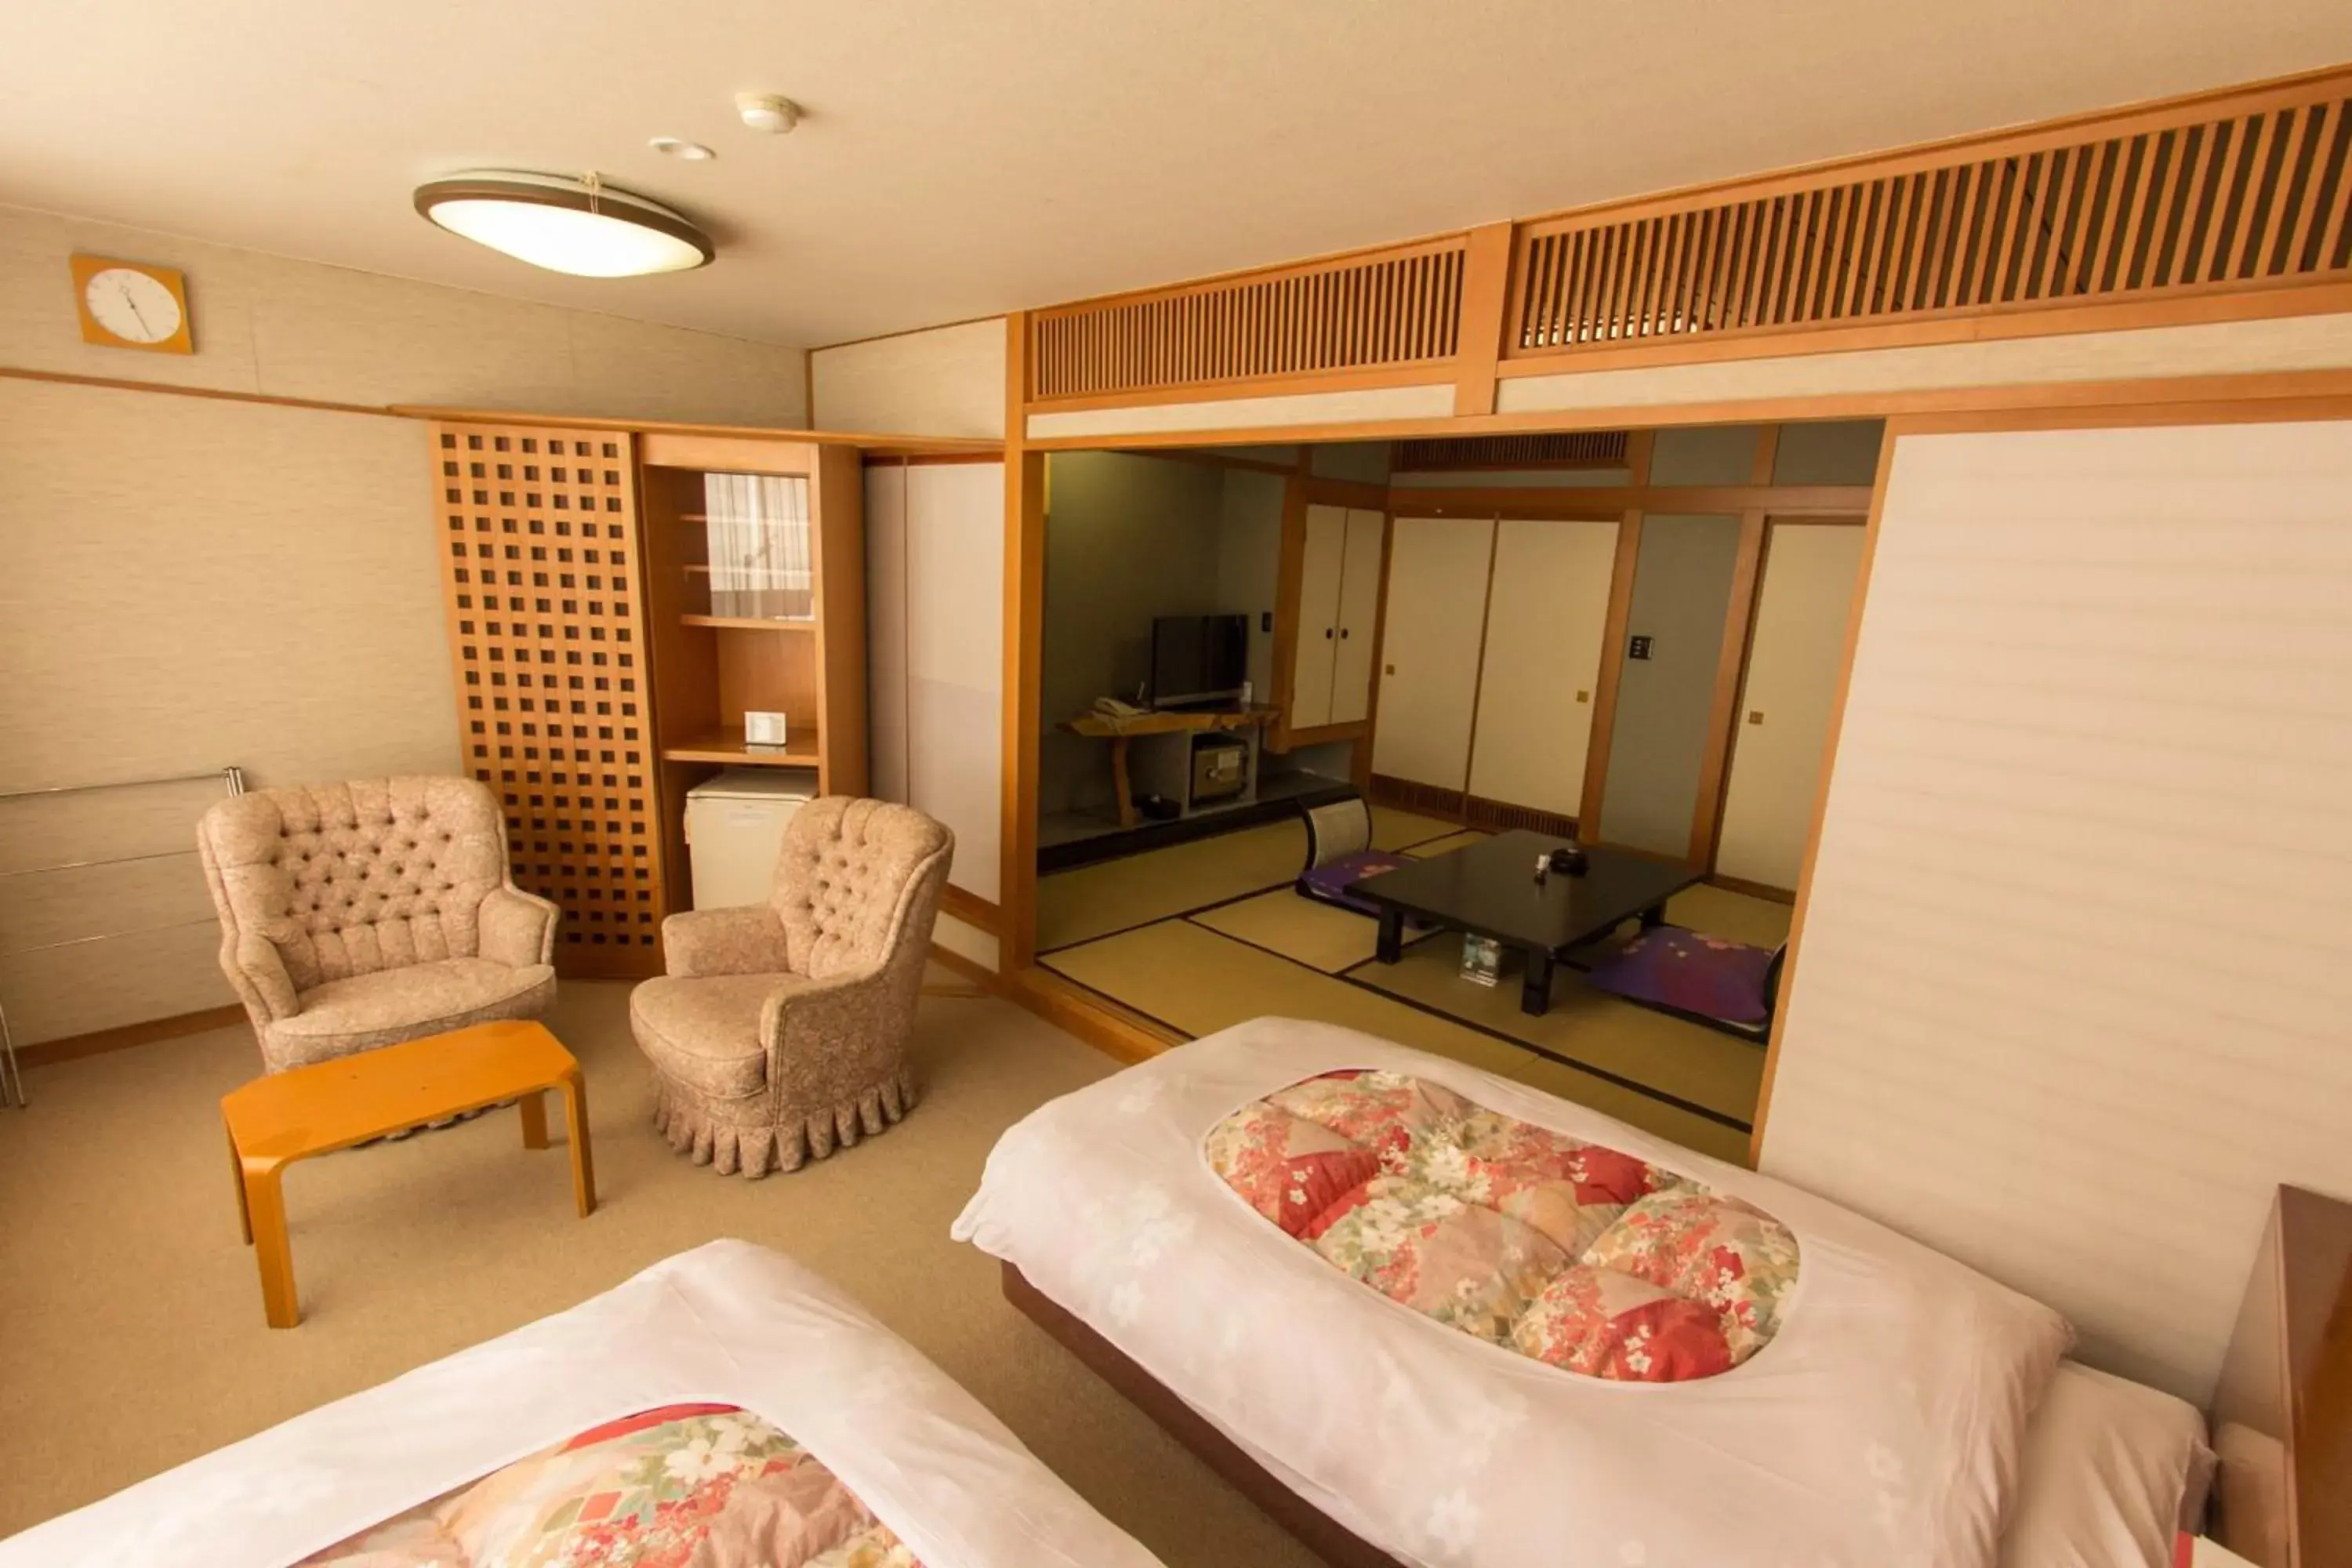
x,y
690,1485
1565,1251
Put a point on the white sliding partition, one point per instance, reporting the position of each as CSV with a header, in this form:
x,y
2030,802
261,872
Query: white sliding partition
x,y
2069,999
1548,613
935,576
1793,661
1428,662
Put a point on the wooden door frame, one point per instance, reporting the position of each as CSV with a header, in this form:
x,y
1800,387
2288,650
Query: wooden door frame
x,y
2252,397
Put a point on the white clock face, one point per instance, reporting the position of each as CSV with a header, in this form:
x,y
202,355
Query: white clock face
x,y
132,305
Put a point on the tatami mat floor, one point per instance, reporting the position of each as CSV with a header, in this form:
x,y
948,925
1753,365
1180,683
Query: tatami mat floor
x,y
1109,896
1247,949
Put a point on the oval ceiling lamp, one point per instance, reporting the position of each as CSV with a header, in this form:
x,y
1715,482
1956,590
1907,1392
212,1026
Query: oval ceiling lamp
x,y
582,227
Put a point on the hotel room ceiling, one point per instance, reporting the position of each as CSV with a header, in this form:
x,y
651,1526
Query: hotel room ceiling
x,y
957,160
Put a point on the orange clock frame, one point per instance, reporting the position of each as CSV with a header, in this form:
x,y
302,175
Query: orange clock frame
x,y
84,268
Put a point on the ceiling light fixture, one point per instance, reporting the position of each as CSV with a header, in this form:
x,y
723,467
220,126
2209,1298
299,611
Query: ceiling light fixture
x,y
679,147
582,227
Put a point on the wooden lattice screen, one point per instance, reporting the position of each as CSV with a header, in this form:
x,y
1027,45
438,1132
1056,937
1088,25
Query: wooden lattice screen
x,y
1577,450
544,588
1396,306
2214,202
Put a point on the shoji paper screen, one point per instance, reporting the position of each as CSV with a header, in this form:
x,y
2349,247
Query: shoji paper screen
x,y
935,565
2070,999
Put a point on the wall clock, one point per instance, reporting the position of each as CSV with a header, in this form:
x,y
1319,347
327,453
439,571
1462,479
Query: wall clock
x,y
132,305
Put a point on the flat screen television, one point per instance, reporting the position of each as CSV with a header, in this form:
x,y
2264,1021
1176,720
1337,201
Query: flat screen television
x,y
1197,658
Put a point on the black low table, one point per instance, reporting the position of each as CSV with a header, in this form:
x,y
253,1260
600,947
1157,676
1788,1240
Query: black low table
x,y
1490,889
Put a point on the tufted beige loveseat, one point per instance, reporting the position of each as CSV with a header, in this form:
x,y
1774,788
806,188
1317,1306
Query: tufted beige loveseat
x,y
356,915
780,1028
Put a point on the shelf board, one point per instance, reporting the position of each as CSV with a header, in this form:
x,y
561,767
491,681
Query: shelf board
x,y
746,624
727,746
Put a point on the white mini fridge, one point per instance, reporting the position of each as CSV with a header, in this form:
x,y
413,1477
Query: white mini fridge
x,y
734,828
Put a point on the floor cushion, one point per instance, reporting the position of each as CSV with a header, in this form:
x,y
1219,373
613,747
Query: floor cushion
x,y
1335,883
1691,971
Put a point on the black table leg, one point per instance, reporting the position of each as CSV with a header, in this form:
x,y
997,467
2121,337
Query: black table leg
x,y
1653,916
1535,994
1391,942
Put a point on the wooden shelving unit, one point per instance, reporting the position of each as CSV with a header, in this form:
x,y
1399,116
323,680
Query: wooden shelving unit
x,y
742,623
726,747
709,669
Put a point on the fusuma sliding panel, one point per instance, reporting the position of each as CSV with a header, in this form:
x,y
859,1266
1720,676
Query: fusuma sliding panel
x,y
934,564
1793,661
1429,663
2068,1001
540,562
1547,615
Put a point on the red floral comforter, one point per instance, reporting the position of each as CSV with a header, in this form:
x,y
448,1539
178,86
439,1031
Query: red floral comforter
x,y
1568,1252
689,1486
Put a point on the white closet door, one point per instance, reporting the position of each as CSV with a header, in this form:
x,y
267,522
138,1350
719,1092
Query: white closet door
x,y
1544,622
1359,611
1810,571
1429,664
1318,616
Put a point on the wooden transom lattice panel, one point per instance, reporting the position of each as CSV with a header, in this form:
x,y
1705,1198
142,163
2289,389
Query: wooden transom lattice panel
x,y
541,563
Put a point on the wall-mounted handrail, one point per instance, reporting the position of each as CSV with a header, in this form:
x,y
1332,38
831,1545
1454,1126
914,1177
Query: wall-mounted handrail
x,y
232,778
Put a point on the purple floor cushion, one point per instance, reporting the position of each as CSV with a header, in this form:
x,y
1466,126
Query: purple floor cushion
x,y
1690,971
1333,884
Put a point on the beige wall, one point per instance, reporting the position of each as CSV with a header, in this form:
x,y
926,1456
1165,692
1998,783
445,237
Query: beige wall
x,y
283,327
2069,1000
187,582
946,380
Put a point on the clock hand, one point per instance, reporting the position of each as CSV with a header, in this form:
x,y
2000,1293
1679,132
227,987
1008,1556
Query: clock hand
x,y
124,290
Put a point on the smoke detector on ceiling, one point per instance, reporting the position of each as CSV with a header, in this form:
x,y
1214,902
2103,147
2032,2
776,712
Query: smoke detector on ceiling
x,y
767,112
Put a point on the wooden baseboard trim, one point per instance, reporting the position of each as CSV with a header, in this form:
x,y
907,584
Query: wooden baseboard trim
x,y
146,1033
1101,1023
1753,889
972,910
971,969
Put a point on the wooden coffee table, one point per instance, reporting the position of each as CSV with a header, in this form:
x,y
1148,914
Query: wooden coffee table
x,y
1490,889
288,1116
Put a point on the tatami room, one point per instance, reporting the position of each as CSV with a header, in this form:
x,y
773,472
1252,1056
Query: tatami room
x,y
937,787
1466,637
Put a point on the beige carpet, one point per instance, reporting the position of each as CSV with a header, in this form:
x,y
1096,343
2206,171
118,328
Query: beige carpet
x,y
130,1331
1109,896
1199,981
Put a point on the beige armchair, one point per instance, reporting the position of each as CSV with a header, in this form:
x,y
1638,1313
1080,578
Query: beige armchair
x,y
780,1028
356,915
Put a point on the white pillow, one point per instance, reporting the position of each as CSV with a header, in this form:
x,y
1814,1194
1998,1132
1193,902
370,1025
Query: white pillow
x,y
2113,1471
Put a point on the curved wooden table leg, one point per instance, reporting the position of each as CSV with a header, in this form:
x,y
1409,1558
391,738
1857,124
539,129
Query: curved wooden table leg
x,y
264,1203
575,1120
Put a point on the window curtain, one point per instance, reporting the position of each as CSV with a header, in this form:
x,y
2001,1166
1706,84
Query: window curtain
x,y
760,555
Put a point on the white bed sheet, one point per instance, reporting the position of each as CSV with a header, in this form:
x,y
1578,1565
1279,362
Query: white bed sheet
x,y
727,1322
1881,1428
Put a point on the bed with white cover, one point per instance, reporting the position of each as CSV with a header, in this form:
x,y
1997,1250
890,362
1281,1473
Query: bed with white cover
x,y
728,1324
1908,1412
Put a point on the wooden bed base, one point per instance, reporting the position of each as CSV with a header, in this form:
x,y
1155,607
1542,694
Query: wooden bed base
x,y
1315,1530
